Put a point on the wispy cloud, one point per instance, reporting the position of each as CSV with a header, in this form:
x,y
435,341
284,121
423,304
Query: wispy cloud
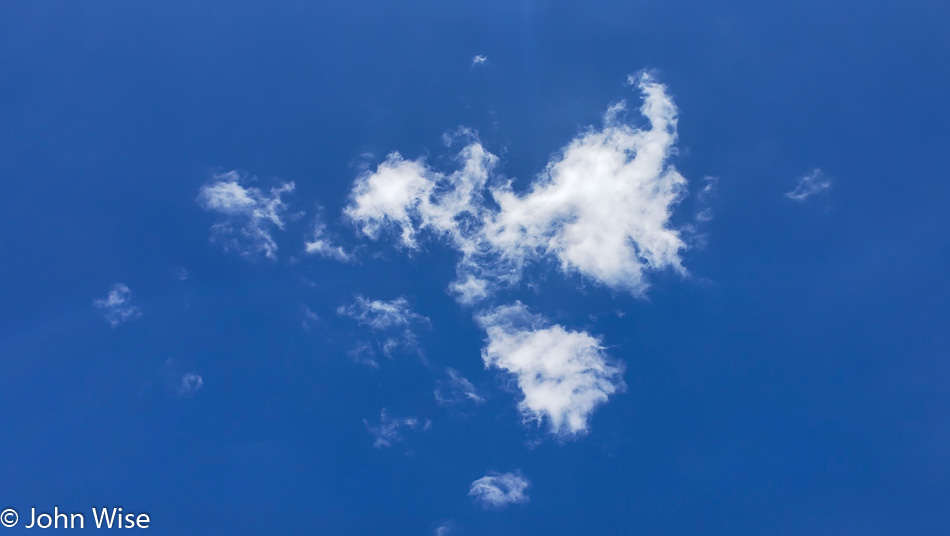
x,y
320,244
247,214
694,233
479,59
704,197
180,383
456,389
498,490
808,185
116,307
601,207
563,374
469,288
392,317
393,322
362,352
190,384
389,429
309,317
382,315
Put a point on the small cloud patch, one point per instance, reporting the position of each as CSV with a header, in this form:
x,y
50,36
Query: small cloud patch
x,y
389,429
564,375
321,245
497,490
809,185
247,215
393,321
116,307
190,384
456,389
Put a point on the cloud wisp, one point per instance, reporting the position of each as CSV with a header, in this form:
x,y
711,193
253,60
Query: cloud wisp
x,y
190,384
497,490
601,207
705,193
116,307
389,429
321,245
392,320
479,59
456,389
247,215
809,185
564,375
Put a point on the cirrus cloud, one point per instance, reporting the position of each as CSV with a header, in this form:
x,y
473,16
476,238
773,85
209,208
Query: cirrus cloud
x,y
247,214
808,185
392,320
497,490
389,429
320,244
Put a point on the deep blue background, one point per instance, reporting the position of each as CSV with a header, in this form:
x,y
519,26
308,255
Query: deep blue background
x,y
796,383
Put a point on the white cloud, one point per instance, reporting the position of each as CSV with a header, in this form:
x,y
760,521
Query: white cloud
x,y
190,384
394,320
388,195
709,188
309,317
116,307
500,489
479,59
248,215
809,185
443,530
563,374
363,353
704,197
320,244
456,389
382,315
181,273
694,233
413,197
470,289
601,207
388,430
705,215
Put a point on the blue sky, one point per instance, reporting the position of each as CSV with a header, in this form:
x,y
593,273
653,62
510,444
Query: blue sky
x,y
305,268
